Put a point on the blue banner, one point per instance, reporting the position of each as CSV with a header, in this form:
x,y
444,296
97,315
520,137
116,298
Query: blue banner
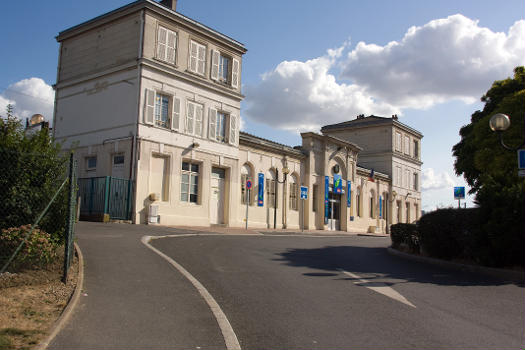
x,y
380,207
348,193
326,191
338,184
260,194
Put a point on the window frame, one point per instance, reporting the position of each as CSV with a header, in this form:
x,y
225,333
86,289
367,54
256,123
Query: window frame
x,y
270,193
293,196
198,61
196,106
174,48
156,121
88,167
416,149
399,141
191,174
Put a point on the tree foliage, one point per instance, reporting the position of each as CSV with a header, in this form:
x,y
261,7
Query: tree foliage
x,y
491,170
31,171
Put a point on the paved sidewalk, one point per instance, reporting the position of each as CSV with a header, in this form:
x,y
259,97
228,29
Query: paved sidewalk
x,y
132,298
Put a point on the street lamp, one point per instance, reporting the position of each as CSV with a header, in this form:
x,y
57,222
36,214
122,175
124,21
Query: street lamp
x,y
499,123
286,171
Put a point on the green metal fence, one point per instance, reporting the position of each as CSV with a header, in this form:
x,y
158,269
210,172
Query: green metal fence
x,y
104,198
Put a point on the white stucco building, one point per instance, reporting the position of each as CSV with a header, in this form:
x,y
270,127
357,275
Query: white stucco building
x,y
147,94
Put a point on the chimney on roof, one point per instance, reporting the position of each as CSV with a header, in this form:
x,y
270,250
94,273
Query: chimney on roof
x,y
394,116
171,4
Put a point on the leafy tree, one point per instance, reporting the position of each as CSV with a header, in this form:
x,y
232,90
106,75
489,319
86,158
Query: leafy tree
x,y
31,171
491,171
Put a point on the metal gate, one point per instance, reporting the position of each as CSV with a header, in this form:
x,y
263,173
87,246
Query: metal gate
x,y
104,198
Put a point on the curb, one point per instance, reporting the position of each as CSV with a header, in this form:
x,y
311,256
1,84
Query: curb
x,y
373,235
68,311
515,276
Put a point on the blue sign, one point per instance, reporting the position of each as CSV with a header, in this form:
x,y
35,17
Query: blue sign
x,y
304,192
348,193
459,192
260,194
521,159
338,184
380,207
326,191
249,184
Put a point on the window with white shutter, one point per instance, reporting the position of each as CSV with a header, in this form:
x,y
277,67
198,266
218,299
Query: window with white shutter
x,y
201,67
190,117
233,130
149,106
193,123
215,56
198,120
197,58
212,117
166,45
175,119
235,73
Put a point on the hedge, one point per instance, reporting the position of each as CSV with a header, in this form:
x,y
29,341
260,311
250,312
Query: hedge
x,y
405,235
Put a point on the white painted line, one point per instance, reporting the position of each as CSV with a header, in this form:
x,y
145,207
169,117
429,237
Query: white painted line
x,y
227,331
380,287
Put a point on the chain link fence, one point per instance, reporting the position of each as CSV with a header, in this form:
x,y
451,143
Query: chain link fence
x,y
37,208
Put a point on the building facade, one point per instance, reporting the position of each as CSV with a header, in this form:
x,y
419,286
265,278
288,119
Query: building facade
x,y
147,94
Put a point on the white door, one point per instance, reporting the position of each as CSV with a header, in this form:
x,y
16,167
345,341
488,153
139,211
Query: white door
x,y
334,212
217,196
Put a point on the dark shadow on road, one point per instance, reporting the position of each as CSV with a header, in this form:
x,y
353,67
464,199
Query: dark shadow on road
x,y
375,264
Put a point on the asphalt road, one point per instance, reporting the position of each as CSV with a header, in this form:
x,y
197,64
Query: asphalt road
x,y
280,292
293,293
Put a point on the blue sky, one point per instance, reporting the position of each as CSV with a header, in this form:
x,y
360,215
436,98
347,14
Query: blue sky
x,y
305,58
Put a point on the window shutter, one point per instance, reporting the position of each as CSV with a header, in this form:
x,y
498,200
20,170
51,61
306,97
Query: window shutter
x,y
198,120
161,43
235,73
149,106
202,59
175,118
193,56
212,115
233,129
171,46
215,64
189,118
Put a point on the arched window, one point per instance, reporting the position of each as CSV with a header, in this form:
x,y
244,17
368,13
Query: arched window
x,y
270,188
246,174
293,192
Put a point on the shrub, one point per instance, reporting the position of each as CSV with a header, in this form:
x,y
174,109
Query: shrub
x,y
405,234
38,251
450,233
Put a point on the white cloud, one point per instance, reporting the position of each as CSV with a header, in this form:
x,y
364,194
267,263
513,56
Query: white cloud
x,y
28,97
436,181
449,58
304,95
445,59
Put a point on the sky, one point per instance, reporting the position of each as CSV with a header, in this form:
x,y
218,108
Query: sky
x,y
311,63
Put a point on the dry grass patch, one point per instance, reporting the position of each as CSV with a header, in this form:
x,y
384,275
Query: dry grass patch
x,y
30,303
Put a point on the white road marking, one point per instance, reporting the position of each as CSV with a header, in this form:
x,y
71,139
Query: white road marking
x,y
380,287
227,331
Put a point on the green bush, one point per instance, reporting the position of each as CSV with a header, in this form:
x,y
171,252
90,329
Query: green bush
x,y
451,233
38,251
32,169
405,234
